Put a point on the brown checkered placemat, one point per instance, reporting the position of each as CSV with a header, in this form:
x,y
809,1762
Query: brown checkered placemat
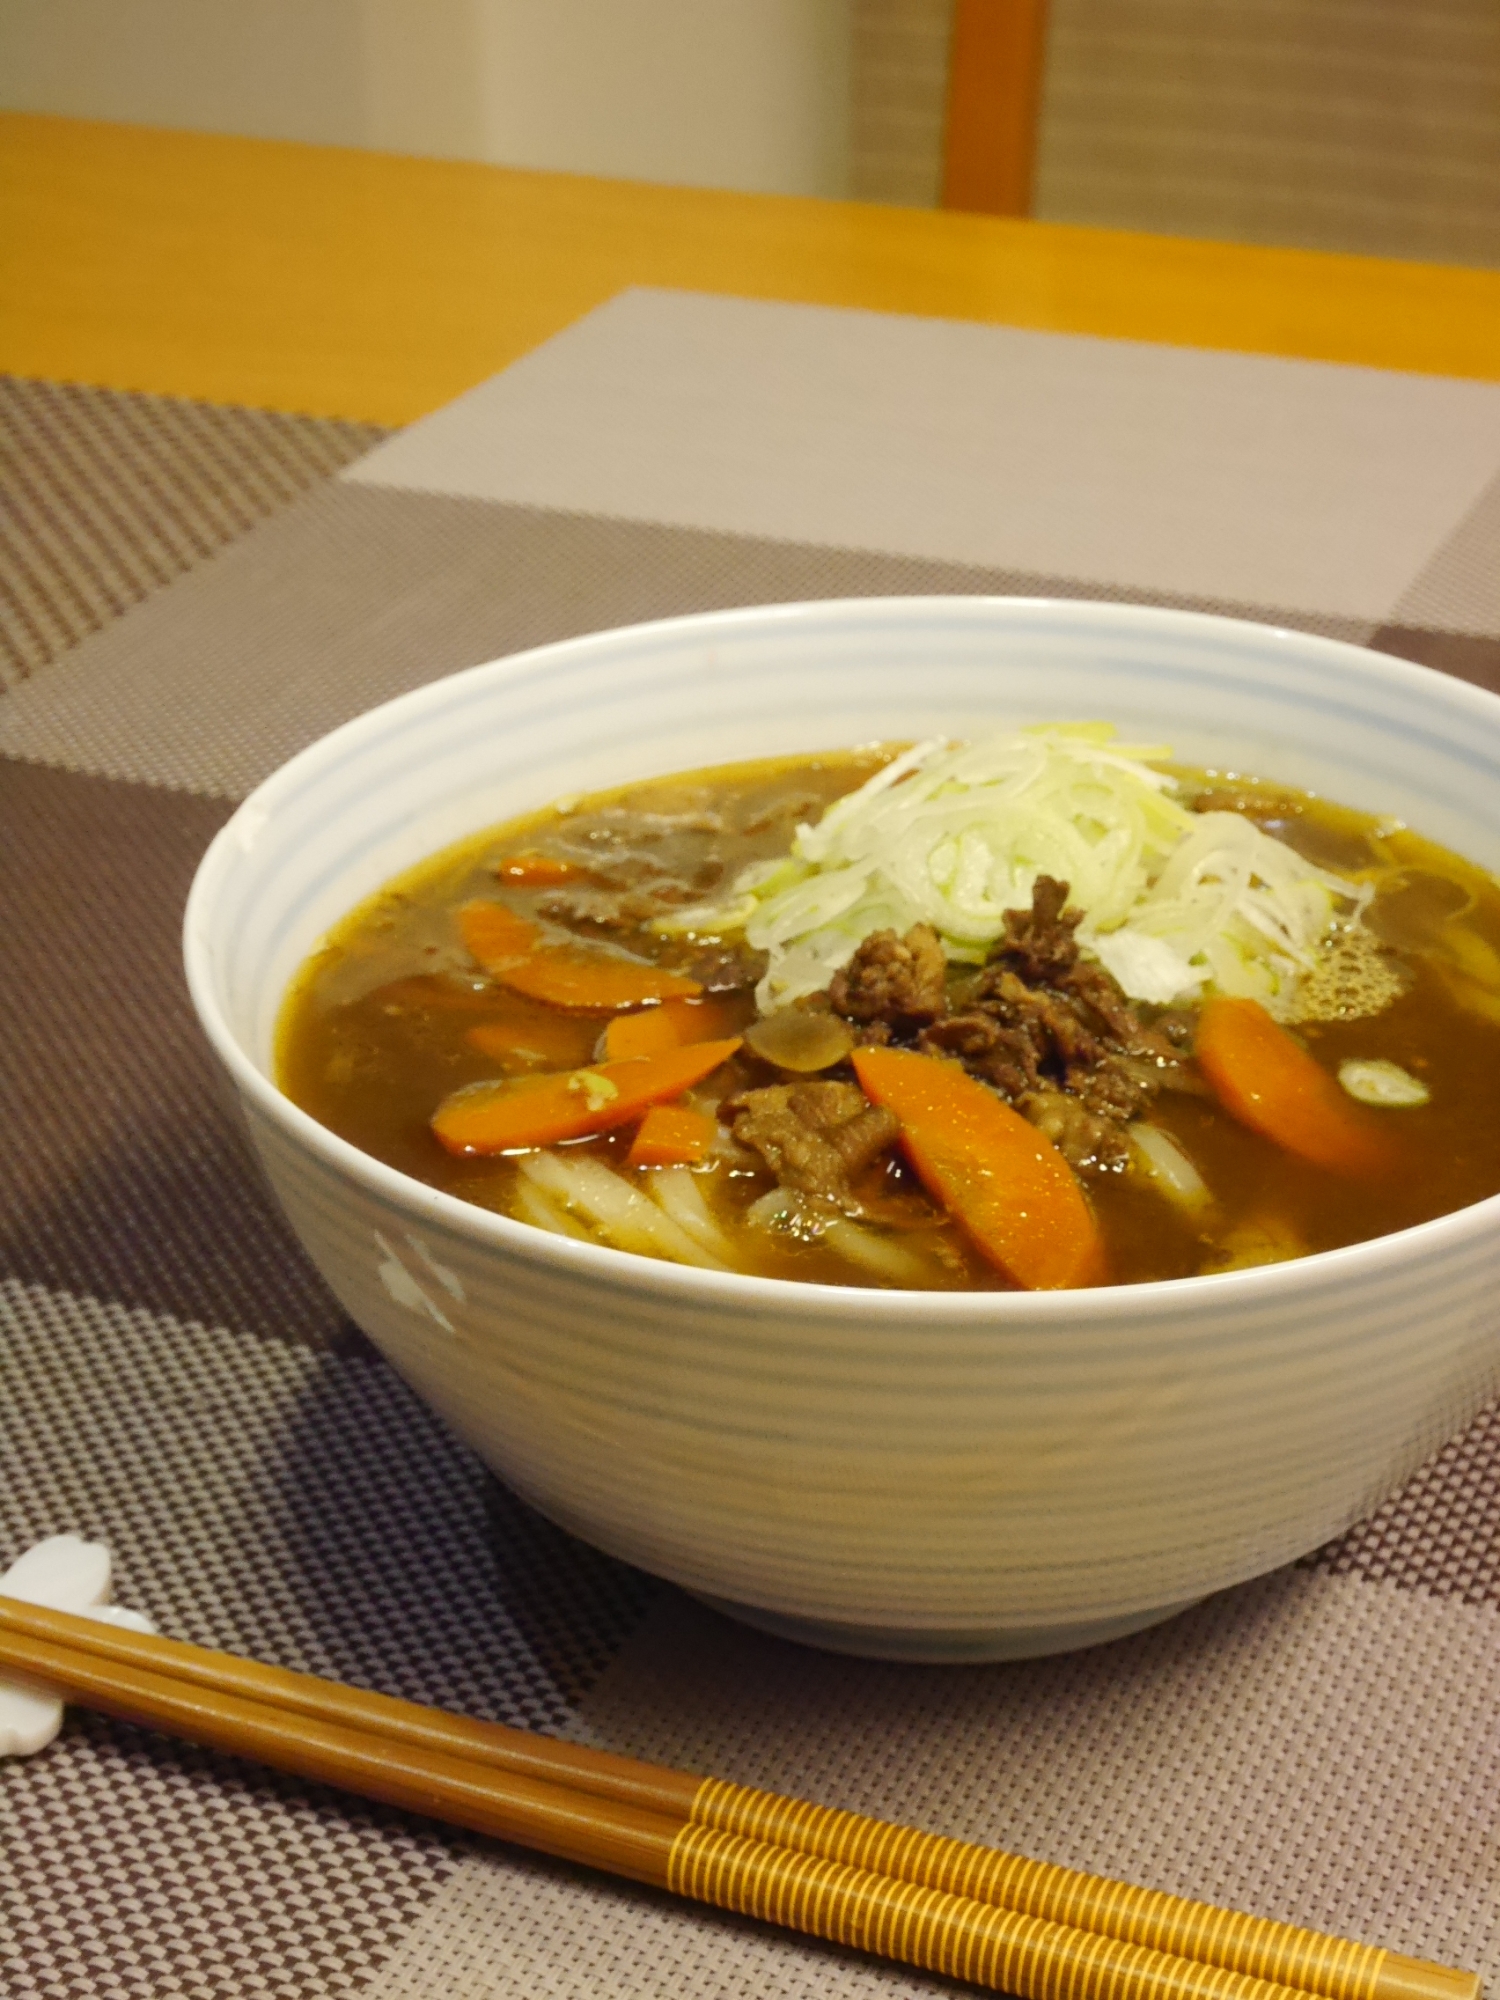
x,y
110,496
188,597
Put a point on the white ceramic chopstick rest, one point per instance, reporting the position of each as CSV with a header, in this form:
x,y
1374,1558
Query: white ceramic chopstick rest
x,y
63,1573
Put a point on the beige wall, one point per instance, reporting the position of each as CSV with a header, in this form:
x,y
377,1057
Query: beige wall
x,y
723,93
1366,125
900,100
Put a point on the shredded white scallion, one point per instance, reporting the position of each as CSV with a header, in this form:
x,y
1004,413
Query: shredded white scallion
x,y
1376,1080
954,835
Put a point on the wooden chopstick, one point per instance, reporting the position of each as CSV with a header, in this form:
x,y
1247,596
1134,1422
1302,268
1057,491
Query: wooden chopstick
x,y
1020,1926
921,1927
490,1743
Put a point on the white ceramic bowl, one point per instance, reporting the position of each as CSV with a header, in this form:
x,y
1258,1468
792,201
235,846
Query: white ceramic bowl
x,y
903,1474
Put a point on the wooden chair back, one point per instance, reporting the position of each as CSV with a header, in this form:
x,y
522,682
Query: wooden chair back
x,y
994,98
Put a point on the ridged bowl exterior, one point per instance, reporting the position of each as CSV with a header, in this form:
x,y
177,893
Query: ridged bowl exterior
x,y
908,1472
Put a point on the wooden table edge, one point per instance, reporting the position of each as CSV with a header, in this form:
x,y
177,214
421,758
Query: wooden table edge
x,y
376,287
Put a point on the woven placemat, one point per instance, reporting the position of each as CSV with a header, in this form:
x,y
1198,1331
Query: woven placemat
x,y
1319,1745
110,496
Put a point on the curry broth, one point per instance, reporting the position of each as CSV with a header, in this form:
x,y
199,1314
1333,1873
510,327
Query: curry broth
x,y
374,1032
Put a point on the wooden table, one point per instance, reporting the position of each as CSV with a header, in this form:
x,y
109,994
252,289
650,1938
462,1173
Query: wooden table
x,y
362,285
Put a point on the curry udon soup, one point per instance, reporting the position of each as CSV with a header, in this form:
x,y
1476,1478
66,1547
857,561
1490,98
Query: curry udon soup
x,y
1040,1010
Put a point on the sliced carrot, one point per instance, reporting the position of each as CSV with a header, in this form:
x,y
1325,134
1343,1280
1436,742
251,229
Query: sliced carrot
x,y
1266,1079
509,948
591,980
538,871
433,994
1003,1180
673,1025
671,1135
495,935
558,1043
570,1104
645,1034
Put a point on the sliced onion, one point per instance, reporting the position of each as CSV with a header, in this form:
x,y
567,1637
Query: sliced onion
x,y
531,1205
1170,1168
620,1212
779,1209
798,1039
896,1263
882,1256
678,1191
